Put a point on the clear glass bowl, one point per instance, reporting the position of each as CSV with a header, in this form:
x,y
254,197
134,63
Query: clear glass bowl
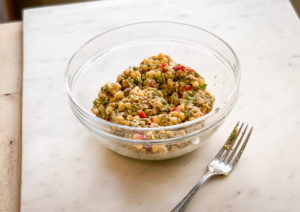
x,y
101,59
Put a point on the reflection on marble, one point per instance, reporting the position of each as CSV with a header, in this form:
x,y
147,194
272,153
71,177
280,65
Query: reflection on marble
x,y
65,170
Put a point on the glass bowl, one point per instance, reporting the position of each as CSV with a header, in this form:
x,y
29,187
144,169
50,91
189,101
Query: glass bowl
x,y
101,59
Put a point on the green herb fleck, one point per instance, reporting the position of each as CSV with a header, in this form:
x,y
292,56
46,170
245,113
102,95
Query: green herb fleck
x,y
135,81
149,65
188,113
194,101
95,102
190,96
203,87
135,68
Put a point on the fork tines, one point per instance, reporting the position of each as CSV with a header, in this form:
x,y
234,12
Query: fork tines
x,y
230,149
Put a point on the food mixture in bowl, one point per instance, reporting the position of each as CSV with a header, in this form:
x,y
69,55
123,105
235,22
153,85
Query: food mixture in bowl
x,y
160,92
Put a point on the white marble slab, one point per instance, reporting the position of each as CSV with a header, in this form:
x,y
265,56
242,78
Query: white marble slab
x,y
64,169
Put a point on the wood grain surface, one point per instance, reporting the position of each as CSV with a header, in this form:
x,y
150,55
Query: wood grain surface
x,y
10,115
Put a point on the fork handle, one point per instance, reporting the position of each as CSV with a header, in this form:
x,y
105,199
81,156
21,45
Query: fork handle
x,y
180,207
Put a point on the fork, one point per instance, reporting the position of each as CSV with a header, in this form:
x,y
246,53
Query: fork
x,y
222,164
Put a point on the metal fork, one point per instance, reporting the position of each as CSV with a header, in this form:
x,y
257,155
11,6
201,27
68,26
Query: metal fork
x,y
222,163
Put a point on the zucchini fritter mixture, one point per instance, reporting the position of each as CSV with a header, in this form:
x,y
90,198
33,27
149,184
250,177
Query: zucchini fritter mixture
x,y
159,92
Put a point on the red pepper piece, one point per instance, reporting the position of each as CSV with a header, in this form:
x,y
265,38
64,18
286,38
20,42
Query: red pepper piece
x,y
142,114
148,123
192,70
163,65
137,137
187,88
176,68
108,119
175,109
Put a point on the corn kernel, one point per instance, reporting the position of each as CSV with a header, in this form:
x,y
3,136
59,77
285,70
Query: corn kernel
x,y
159,104
142,123
124,83
128,105
170,82
95,110
129,117
119,119
121,106
150,135
155,148
173,120
160,56
200,81
133,75
159,93
181,132
141,93
136,118
138,74
108,86
156,119
169,74
157,73
119,95
116,86
134,91
196,115
181,116
195,84
144,67
151,74
165,60
181,107
203,109
119,78
174,114
109,109
138,146
126,72
170,134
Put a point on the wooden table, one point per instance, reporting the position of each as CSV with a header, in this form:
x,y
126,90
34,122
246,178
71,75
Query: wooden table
x,y
10,115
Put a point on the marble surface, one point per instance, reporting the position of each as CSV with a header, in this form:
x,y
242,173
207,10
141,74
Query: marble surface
x,y
64,169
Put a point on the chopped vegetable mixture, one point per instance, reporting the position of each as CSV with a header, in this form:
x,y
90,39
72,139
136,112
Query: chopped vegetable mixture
x,y
159,92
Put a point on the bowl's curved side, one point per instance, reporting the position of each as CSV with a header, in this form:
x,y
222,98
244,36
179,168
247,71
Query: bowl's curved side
x,y
114,136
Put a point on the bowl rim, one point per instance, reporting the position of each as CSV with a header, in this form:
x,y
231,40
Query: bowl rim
x,y
224,104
